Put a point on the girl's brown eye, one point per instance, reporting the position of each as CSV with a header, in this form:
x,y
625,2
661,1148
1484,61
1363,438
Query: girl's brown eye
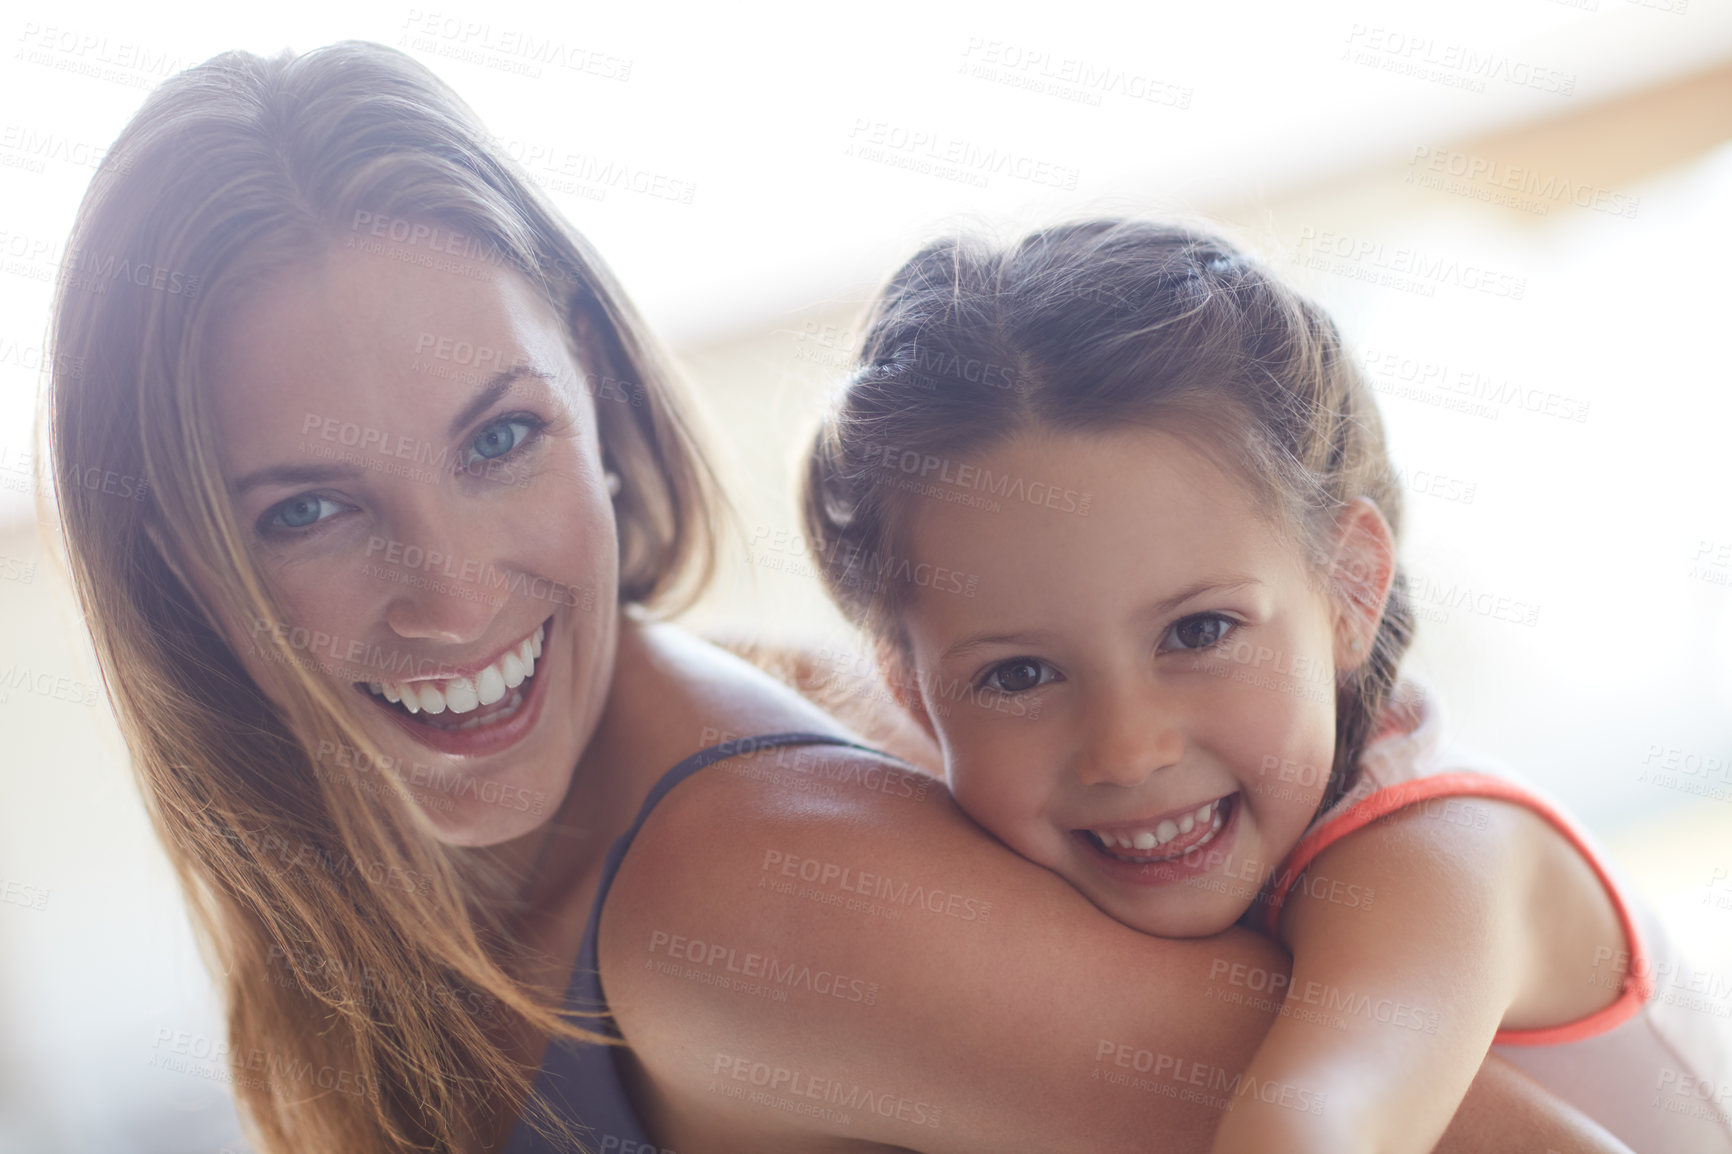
x,y
1201,631
1015,675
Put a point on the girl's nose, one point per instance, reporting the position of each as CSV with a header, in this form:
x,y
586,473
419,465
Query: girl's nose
x,y
1128,740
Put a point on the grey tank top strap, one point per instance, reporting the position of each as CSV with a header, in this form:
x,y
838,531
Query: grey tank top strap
x,y
582,1082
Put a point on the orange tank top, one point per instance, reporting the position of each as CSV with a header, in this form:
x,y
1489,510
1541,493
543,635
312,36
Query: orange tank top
x,y
1637,1065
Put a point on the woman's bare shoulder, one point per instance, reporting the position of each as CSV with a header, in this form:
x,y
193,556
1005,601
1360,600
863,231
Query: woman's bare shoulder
x,y
821,916
807,812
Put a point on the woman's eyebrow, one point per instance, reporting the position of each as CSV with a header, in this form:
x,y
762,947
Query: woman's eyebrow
x,y
292,475
497,385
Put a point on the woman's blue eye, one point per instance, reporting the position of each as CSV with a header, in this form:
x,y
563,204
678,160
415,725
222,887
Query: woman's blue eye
x,y
499,438
1199,632
299,512
1017,675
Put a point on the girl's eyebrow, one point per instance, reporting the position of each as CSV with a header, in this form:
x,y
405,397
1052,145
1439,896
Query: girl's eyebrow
x,y
1219,583
980,640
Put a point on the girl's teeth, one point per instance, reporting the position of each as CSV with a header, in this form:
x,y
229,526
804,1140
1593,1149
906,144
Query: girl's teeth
x,y
512,670
432,700
1165,832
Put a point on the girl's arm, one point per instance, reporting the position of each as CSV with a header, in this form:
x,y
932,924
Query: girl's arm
x,y
1393,1003
804,957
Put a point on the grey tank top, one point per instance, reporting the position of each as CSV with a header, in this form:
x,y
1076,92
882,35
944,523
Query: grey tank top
x,y
581,1082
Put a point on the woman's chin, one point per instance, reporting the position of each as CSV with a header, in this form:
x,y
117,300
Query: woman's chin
x,y
479,825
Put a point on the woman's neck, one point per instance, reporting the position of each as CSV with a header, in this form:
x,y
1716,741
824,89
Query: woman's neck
x,y
597,805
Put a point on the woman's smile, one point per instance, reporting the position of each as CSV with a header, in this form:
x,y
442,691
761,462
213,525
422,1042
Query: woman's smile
x,y
480,711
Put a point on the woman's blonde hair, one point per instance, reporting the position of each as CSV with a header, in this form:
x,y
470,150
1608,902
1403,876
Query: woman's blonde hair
x,y
367,968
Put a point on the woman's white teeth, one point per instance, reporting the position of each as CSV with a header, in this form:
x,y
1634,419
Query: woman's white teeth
x,y
460,695
1162,833
490,686
463,694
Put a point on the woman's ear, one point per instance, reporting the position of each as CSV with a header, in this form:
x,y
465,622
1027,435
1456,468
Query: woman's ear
x,y
904,686
1360,574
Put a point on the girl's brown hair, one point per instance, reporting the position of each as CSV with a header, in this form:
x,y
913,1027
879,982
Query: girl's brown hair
x,y
1094,326
367,967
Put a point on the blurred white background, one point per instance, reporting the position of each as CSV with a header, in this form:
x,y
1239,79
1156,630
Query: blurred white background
x,y
752,171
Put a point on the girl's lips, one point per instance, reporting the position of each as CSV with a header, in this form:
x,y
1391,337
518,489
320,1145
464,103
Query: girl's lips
x,y
484,739
1194,854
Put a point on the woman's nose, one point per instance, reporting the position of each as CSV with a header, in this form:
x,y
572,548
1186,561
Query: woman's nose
x,y
442,614
438,585
1129,739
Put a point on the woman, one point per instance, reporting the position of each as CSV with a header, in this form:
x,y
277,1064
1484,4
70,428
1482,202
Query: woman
x,y
382,649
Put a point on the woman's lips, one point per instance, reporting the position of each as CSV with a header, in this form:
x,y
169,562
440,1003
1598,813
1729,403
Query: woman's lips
x,y
484,730
1183,856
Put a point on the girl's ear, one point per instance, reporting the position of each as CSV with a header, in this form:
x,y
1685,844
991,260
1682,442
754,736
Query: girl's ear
x,y
1360,573
903,685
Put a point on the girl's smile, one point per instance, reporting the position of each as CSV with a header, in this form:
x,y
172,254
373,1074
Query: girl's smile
x,y
1161,838
1157,852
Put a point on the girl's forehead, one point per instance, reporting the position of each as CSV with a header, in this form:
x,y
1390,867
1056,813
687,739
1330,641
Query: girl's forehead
x,y
1132,471
1085,518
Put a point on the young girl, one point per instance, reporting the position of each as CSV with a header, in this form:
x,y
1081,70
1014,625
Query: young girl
x,y
1116,509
